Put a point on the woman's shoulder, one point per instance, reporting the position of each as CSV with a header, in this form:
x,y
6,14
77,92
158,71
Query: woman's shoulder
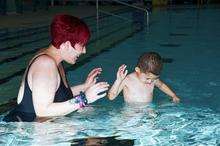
x,y
43,61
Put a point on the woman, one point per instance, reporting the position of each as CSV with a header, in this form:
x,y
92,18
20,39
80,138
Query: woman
x,y
44,91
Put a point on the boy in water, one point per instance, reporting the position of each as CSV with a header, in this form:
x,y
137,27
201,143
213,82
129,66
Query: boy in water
x,y
138,86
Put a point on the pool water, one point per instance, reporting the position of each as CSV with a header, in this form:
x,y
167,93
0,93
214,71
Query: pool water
x,y
190,39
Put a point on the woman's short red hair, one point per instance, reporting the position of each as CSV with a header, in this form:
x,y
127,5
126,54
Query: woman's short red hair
x,y
68,28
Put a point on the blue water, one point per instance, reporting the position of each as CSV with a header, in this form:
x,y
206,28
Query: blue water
x,y
188,36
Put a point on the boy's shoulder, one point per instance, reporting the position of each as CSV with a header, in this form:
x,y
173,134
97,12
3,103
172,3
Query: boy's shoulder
x,y
131,77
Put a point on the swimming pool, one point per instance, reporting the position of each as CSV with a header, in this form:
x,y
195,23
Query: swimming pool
x,y
190,39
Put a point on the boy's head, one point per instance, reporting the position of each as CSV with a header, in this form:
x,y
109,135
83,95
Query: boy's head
x,y
150,62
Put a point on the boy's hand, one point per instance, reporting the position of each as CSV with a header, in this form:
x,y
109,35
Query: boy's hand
x,y
121,74
92,76
176,99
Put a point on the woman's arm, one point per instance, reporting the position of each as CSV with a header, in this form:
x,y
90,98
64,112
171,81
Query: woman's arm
x,y
78,88
45,81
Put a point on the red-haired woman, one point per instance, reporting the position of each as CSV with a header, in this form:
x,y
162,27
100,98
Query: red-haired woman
x,y
44,91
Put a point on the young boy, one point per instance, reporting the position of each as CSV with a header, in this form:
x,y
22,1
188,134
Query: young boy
x,y
138,86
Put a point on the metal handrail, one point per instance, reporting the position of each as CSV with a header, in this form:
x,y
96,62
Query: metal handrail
x,y
123,3
129,5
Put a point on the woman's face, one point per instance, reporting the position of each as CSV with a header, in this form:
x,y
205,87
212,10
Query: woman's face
x,y
71,54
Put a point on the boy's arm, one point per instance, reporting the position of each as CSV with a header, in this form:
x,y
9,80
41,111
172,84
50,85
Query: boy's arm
x,y
119,83
115,89
163,87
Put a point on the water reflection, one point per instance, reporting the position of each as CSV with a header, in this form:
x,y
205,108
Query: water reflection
x,y
102,141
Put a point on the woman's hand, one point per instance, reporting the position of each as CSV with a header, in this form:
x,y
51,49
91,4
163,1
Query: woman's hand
x,y
93,92
121,74
92,77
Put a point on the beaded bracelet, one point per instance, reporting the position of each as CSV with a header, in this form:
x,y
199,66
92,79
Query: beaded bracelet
x,y
80,99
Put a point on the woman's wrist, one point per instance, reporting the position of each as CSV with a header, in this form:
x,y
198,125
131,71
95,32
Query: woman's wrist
x,y
80,100
85,87
174,96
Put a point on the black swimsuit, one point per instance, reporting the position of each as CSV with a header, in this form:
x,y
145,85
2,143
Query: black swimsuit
x,y
24,111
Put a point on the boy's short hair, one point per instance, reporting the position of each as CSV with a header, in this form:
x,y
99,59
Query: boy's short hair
x,y
150,62
68,28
